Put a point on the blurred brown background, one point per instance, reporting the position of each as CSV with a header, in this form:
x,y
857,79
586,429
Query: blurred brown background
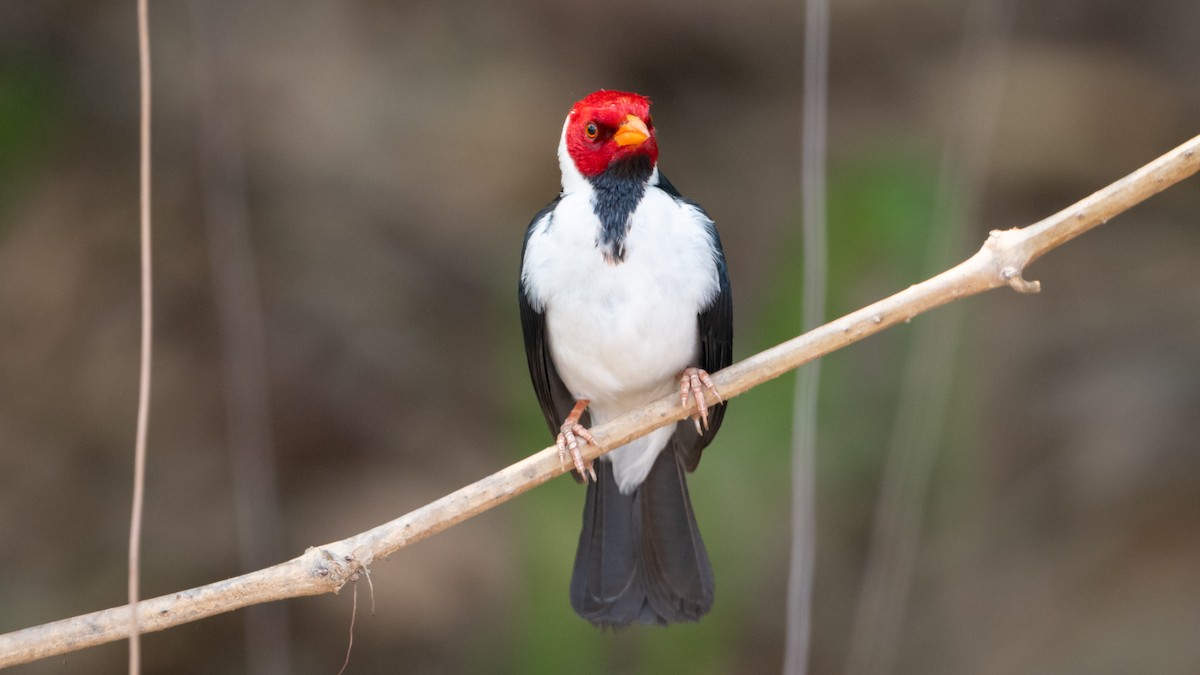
x,y
340,195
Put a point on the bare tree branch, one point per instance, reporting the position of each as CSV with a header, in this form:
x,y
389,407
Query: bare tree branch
x,y
325,569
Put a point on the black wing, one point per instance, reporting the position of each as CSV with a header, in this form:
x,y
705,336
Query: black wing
x,y
552,394
715,324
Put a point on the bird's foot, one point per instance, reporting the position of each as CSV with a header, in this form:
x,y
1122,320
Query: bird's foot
x,y
568,441
693,382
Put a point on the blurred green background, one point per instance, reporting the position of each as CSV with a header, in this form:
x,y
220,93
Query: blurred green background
x,y
381,160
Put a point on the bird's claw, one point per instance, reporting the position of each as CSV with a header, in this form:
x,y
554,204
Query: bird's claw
x,y
568,446
692,383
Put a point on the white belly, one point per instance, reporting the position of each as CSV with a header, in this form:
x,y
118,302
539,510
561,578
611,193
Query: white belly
x,y
623,343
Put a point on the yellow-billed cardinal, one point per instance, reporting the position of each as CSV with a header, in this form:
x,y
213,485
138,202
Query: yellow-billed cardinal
x,y
624,299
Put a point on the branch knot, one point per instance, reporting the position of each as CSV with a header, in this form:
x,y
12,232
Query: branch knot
x,y
1020,284
337,569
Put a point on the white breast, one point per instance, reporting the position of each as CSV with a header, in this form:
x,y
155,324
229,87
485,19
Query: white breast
x,y
621,333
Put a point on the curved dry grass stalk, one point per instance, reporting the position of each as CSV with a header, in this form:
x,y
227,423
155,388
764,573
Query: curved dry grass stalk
x,y
325,569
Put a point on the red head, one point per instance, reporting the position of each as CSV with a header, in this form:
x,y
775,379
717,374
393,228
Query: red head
x,y
607,127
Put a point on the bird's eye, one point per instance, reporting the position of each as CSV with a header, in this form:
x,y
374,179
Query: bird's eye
x,y
591,131
649,121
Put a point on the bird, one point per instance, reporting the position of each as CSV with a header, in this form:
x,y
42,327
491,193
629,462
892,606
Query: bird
x,y
624,299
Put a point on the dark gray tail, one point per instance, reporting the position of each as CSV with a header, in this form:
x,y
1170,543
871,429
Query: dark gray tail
x,y
640,556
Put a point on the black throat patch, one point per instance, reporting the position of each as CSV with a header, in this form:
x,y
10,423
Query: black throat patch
x,y
617,193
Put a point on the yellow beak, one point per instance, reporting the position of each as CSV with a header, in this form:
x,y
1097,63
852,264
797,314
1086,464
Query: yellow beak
x,y
632,132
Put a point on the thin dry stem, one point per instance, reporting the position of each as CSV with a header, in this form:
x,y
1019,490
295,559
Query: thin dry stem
x,y
258,517
926,385
143,413
353,615
326,569
802,557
